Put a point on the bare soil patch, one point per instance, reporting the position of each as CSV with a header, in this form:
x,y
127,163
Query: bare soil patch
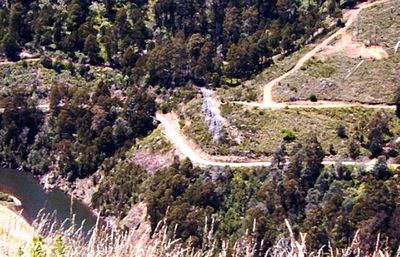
x,y
348,46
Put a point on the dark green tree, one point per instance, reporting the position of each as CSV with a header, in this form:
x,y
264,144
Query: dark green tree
x,y
378,127
11,46
396,101
92,49
314,155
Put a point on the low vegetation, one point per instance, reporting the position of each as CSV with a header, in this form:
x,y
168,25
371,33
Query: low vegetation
x,y
56,243
339,77
372,82
319,68
5,198
256,133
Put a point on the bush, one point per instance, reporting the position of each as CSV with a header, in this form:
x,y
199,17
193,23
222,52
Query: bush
x,y
354,148
166,107
332,150
46,62
10,46
288,135
313,98
341,131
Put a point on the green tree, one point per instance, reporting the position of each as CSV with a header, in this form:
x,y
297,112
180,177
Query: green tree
x,y
396,101
354,148
140,110
378,127
92,49
76,13
16,22
10,46
279,157
314,155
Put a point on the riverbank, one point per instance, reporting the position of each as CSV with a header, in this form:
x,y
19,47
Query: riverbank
x,y
15,231
35,200
81,189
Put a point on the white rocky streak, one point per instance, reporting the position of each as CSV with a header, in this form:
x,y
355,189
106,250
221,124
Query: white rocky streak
x,y
212,113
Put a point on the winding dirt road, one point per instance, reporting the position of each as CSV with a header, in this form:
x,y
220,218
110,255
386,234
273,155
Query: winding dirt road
x,y
187,148
268,101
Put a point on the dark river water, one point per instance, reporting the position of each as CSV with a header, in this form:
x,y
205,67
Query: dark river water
x,y
27,189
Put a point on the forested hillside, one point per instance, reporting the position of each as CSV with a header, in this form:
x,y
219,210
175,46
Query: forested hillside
x,y
78,134
329,204
80,86
166,43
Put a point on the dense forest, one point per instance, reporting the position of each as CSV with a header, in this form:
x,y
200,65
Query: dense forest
x,y
328,203
154,44
78,134
166,43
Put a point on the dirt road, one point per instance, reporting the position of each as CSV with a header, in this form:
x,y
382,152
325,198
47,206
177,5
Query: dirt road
x,y
318,105
23,60
42,107
268,102
190,150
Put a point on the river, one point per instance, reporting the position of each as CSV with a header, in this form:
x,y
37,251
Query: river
x,y
27,189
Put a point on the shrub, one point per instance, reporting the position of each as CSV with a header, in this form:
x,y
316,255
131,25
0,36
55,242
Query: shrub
x,y
341,131
288,135
313,98
10,46
46,62
332,150
354,148
166,107
292,88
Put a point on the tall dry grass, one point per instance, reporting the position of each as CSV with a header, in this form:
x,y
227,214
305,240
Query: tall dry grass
x,y
102,242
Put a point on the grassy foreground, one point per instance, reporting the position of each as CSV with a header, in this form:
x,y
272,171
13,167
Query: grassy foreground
x,y
15,232
138,243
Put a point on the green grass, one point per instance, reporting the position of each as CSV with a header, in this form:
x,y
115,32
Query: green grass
x,y
261,132
319,68
155,142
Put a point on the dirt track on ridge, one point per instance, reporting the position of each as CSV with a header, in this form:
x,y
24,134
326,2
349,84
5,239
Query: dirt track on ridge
x,y
268,101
